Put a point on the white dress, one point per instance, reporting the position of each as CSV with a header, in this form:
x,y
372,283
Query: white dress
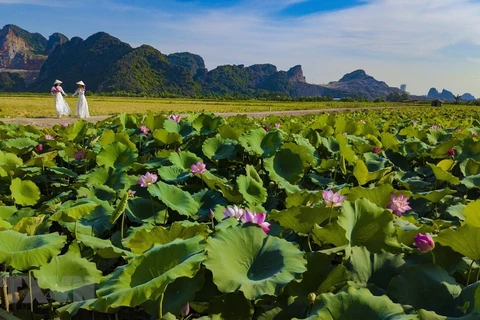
x,y
82,105
61,106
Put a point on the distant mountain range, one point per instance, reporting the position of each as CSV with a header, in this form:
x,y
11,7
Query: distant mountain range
x,y
31,62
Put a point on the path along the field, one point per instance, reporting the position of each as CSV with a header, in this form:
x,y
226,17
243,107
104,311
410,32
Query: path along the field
x,y
49,121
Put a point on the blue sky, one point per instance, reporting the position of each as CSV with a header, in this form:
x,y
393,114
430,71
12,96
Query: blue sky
x,y
423,43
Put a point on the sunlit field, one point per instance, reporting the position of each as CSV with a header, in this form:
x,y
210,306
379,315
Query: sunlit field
x,y
43,105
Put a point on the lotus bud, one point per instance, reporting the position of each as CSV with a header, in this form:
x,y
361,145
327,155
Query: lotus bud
x,y
211,214
39,148
185,310
311,297
377,150
451,152
11,173
424,242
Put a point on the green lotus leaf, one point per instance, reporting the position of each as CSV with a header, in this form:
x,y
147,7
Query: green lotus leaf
x,y
174,174
443,175
76,131
472,181
127,121
441,150
120,208
353,302
332,233
470,297
465,240
67,272
471,213
7,211
9,161
252,191
218,148
61,171
29,225
434,196
469,150
363,175
174,198
103,248
23,252
42,160
321,276
389,141
117,155
300,219
231,306
286,168
72,212
430,315
346,150
215,182
184,128
5,225
147,276
380,195
470,167
426,287
261,143
248,260
178,294
207,123
115,179
70,310
144,210
20,143
374,268
24,192
142,240
304,198
184,159
165,138
369,225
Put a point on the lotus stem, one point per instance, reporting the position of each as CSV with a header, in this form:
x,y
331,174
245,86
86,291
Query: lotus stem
x,y
122,225
5,294
153,211
469,272
30,291
160,306
330,216
76,229
434,260
309,244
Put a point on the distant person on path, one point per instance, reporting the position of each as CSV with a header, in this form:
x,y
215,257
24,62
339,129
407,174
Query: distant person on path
x,y
61,106
82,105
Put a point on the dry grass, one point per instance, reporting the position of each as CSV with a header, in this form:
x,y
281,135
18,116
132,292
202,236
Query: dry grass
x,y
43,106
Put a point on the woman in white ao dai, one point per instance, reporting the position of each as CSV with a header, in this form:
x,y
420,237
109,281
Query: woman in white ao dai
x,y
61,106
82,105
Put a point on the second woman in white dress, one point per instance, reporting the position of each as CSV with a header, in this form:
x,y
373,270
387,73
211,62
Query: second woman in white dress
x,y
61,106
82,105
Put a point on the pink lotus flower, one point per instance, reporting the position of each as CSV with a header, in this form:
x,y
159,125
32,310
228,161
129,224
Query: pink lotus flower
x,y
198,168
265,127
277,125
144,130
211,214
131,193
424,243
345,133
185,311
414,121
435,127
39,148
363,121
332,199
79,155
65,124
234,212
174,117
256,218
451,152
49,137
147,179
399,204
377,150
475,134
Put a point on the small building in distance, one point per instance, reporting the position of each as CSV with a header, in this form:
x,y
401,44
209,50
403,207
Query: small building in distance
x,y
437,103
403,87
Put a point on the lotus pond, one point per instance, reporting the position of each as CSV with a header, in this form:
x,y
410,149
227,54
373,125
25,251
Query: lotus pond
x,y
365,215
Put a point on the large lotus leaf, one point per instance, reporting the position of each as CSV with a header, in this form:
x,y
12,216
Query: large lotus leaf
x,y
426,287
117,155
389,141
380,195
24,192
207,124
300,219
174,198
430,315
261,143
184,128
470,167
443,175
434,196
178,294
231,306
363,175
369,225
218,148
469,150
346,150
379,268
252,191
61,171
147,276
470,298
103,248
321,276
441,150
248,260
70,310
144,210
215,182
76,131
471,213
7,211
304,198
23,252
29,225
67,272
184,159
73,211
285,165
173,174
163,137
143,239
472,181
9,161
465,240
20,143
116,179
352,303
42,160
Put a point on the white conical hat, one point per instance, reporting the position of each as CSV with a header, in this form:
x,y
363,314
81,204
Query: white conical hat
x,y
80,83
57,81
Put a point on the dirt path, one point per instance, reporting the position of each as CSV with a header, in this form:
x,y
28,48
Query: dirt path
x,y
50,121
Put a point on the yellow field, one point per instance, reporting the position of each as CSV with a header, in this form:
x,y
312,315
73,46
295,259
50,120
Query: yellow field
x,y
43,106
